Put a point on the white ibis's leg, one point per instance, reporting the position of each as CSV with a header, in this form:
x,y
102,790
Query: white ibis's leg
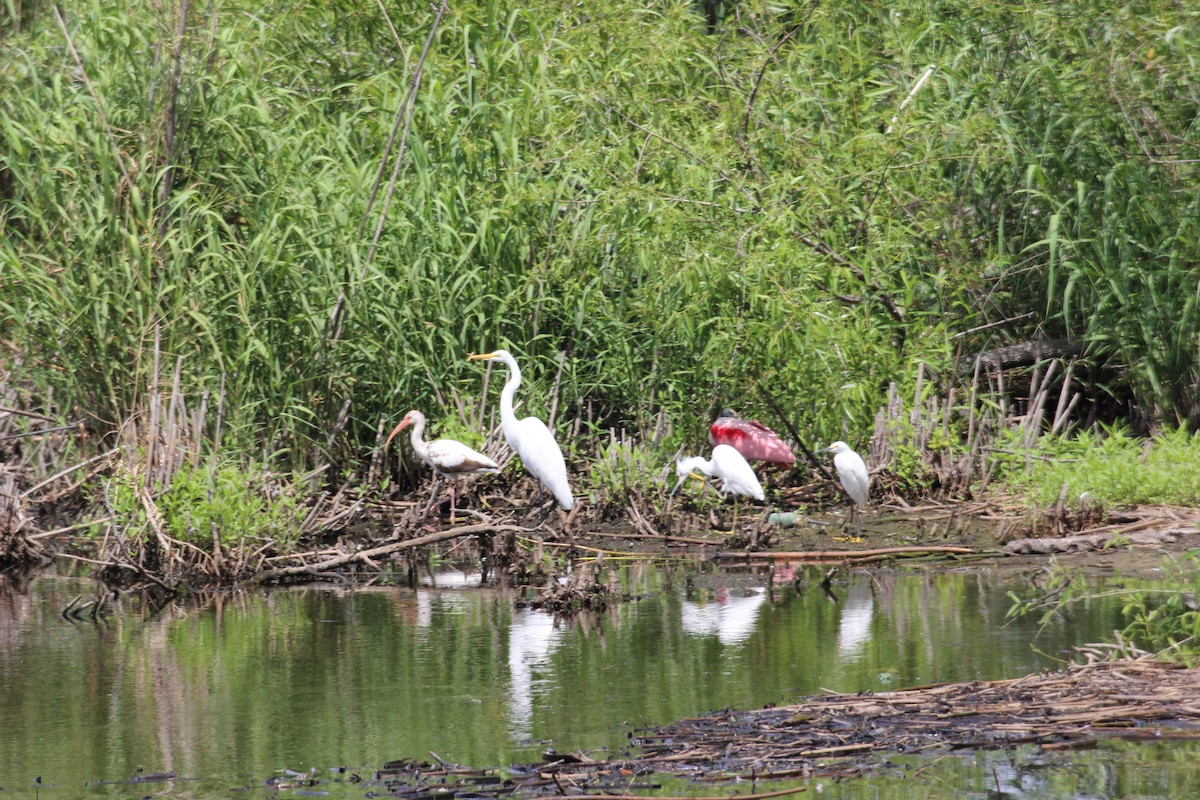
x,y
433,495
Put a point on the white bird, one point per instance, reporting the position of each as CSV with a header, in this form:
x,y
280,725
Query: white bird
x,y
852,471
737,477
447,458
530,437
727,464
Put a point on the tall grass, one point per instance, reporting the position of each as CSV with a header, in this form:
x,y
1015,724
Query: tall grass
x,y
675,217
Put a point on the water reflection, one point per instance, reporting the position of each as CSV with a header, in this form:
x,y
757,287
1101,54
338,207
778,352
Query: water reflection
x,y
730,615
858,610
531,636
250,684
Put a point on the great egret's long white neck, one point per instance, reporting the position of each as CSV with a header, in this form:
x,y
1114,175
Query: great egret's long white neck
x,y
508,418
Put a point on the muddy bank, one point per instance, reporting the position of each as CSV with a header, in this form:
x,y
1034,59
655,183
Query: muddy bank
x,y
364,540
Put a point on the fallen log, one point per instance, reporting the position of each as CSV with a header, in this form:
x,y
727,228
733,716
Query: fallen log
x,y
848,555
1023,354
1093,541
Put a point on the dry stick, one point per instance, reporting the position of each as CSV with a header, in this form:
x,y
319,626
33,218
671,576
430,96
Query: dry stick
x,y
120,565
25,494
801,555
556,388
911,94
894,311
382,550
404,116
775,407
41,431
30,414
172,116
725,174
1063,413
763,70
69,528
662,537
152,433
734,796
411,103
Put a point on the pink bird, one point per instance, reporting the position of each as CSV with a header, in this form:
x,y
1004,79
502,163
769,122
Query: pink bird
x,y
447,457
755,441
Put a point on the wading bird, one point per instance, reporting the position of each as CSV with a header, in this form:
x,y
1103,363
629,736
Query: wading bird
x,y
530,437
852,471
737,478
446,457
755,441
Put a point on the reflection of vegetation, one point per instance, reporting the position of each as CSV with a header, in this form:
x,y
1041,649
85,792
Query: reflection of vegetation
x,y
1168,620
1160,617
1112,466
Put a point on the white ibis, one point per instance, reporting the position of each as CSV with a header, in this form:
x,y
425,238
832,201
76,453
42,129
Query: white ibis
x,y
446,457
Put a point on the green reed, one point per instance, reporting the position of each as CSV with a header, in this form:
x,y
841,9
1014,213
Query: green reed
x,y
679,218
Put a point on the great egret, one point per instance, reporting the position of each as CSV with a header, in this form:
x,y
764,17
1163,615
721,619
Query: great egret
x,y
447,458
755,441
530,437
737,478
852,471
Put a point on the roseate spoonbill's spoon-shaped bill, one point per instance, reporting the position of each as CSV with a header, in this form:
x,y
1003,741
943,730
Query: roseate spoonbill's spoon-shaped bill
x,y
447,458
852,471
530,437
727,464
755,441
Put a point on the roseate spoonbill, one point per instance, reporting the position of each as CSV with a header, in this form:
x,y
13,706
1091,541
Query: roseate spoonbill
x,y
530,437
755,441
852,471
737,478
446,457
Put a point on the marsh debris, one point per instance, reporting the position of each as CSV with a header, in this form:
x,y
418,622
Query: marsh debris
x,y
846,735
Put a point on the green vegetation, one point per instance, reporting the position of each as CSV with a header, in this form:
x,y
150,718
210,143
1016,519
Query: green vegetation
x,y
1158,616
1166,620
658,217
204,513
683,214
1112,466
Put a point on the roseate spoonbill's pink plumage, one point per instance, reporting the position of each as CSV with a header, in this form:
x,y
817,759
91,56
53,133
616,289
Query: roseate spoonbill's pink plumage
x,y
755,441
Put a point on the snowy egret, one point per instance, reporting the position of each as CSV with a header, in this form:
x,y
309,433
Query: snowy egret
x,y
755,441
530,437
737,478
852,471
447,458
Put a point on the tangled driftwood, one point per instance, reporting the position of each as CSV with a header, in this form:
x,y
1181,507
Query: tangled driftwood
x,y
15,545
1070,708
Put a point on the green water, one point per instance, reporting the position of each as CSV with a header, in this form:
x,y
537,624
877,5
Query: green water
x,y
227,694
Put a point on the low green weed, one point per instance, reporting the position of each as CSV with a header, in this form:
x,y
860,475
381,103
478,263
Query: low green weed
x,y
1113,467
625,469
1167,621
211,502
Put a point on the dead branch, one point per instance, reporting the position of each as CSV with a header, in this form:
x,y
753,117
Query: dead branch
x,y
362,556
